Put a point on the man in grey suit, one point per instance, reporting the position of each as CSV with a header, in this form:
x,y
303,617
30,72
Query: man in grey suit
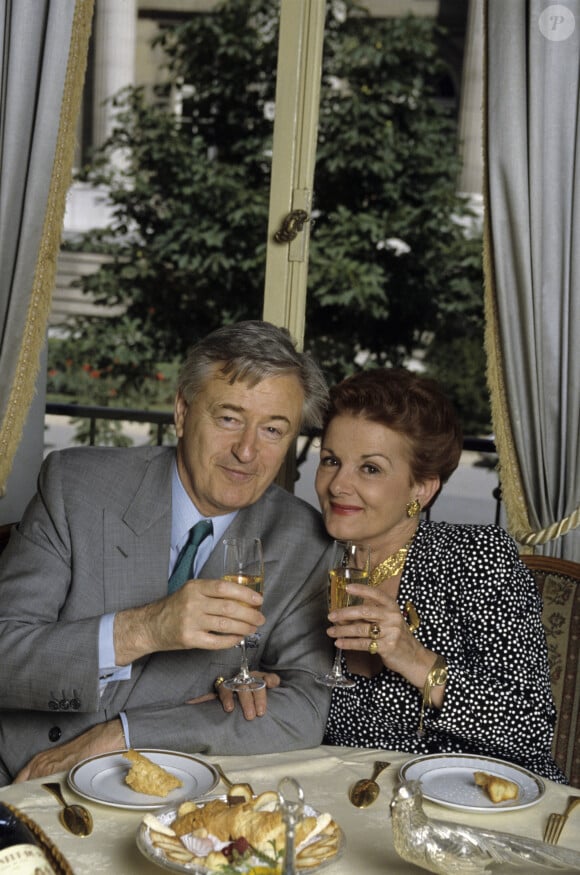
x,y
95,654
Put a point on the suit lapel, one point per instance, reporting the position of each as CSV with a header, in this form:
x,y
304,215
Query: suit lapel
x,y
248,522
137,545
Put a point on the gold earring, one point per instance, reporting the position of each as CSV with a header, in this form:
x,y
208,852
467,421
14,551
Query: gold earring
x,y
413,507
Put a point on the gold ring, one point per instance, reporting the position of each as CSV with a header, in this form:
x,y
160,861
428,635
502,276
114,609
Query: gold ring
x,y
218,682
374,631
373,648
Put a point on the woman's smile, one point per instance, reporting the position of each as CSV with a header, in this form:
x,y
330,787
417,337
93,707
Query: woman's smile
x,y
343,509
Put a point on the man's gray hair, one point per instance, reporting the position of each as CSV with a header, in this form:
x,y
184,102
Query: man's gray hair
x,y
250,351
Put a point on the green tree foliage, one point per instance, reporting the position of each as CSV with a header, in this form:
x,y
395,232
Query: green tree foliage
x,y
456,356
385,188
186,248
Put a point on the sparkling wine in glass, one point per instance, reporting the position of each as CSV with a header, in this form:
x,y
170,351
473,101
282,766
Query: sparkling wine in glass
x,y
350,563
244,565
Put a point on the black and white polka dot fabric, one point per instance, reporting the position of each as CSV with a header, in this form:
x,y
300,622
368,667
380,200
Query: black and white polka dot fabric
x,y
480,608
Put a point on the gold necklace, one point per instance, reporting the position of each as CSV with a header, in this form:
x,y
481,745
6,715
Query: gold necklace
x,y
391,566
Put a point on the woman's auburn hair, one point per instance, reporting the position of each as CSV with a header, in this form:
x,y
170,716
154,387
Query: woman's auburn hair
x,y
410,404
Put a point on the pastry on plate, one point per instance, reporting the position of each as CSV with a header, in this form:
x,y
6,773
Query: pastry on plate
x,y
498,789
147,777
216,833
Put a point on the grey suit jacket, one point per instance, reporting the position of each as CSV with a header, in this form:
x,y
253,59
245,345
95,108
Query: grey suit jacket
x,y
95,539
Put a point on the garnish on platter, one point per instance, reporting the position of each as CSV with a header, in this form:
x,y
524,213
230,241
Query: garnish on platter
x,y
233,835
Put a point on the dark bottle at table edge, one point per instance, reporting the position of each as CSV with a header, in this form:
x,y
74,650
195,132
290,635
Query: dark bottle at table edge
x,y
20,853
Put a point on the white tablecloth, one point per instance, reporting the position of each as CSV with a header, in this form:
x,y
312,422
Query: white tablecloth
x,y
325,774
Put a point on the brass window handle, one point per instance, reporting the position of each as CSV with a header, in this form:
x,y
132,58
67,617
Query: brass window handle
x,y
291,226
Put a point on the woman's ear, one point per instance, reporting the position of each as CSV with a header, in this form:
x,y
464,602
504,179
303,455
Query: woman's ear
x,y
427,490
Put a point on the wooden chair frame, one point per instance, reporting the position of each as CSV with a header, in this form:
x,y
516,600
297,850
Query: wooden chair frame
x,y
563,617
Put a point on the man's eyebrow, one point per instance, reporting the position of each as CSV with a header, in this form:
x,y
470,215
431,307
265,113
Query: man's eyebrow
x,y
237,408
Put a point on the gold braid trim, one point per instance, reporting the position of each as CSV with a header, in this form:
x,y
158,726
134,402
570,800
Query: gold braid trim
x,y
33,338
510,475
550,533
509,469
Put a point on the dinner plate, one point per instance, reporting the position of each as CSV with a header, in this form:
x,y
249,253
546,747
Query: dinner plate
x,y
157,855
448,780
102,778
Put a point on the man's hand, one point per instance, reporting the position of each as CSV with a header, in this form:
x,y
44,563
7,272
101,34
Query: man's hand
x,y
204,614
103,738
253,703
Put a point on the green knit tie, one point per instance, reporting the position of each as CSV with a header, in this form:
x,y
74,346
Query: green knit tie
x,y
183,569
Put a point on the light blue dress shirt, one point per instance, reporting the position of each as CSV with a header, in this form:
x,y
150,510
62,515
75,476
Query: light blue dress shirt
x,y
184,515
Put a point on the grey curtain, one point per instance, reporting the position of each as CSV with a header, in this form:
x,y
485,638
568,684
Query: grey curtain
x,y
532,155
43,50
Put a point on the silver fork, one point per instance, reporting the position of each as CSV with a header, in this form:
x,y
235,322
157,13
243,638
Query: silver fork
x,y
556,822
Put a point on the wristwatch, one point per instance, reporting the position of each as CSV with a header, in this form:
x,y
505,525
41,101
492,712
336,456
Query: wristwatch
x,y
436,678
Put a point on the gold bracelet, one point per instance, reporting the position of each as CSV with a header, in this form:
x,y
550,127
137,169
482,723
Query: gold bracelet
x,y
436,677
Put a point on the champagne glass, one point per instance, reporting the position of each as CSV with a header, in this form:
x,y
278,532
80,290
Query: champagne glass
x,y
349,563
244,564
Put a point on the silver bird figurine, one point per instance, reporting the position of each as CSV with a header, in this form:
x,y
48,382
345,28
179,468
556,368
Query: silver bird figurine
x,y
454,849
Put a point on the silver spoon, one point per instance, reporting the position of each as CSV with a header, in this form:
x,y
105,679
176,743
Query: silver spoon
x,y
76,818
246,789
365,791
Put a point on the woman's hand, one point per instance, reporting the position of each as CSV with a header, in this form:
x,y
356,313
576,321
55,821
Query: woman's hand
x,y
252,702
379,619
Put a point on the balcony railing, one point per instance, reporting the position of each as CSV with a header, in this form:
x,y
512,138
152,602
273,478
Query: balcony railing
x,y
162,422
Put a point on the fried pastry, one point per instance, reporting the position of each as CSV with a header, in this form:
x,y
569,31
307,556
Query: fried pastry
x,y
261,827
258,823
498,789
147,777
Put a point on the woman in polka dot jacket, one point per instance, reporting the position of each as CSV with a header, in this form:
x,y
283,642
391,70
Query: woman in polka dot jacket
x,y
448,650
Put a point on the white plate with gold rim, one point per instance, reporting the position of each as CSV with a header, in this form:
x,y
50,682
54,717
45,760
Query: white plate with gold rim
x,y
448,780
102,778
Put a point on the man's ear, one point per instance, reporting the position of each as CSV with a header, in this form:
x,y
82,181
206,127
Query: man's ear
x,y
179,413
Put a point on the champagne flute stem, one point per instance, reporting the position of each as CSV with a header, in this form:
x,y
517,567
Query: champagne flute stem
x,y
336,665
244,667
